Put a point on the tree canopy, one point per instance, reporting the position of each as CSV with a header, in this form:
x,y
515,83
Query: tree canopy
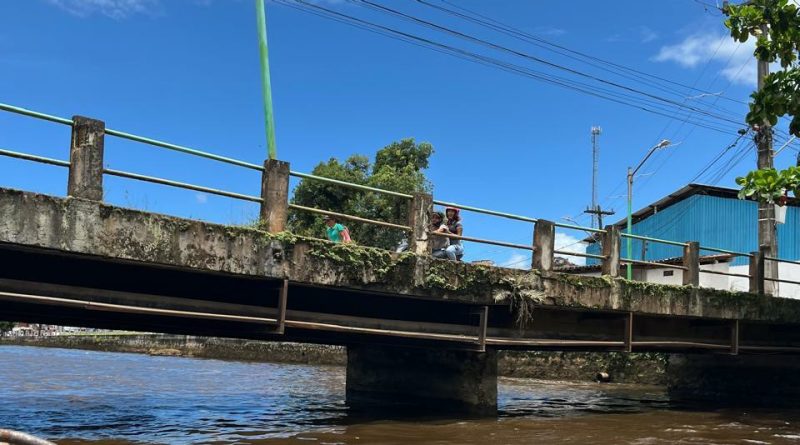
x,y
780,95
5,326
399,166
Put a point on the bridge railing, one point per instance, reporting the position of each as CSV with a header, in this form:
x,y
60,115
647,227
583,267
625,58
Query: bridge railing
x,y
86,171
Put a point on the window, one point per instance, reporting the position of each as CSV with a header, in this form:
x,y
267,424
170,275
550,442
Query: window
x,y
668,273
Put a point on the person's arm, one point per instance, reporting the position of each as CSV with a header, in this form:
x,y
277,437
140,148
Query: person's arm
x,y
459,229
443,229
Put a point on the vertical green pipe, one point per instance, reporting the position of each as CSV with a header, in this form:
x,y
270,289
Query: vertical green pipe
x,y
267,87
629,267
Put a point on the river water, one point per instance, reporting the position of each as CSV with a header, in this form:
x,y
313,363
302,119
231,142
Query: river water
x,y
82,397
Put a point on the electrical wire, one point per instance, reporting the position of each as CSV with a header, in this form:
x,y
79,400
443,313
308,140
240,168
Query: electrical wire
x,y
485,60
533,58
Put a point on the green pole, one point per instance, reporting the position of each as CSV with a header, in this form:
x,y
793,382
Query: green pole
x,y
269,117
629,267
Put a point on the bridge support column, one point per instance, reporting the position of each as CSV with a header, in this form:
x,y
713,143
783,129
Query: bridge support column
x,y
86,159
432,380
419,218
275,195
769,380
544,238
691,261
610,239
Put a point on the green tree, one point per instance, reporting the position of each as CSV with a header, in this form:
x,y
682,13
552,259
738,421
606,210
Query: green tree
x,y
398,167
780,94
5,326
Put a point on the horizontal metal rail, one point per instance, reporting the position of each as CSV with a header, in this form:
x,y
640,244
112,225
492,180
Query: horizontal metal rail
x,y
730,274
484,241
182,149
580,254
779,280
549,342
350,217
572,226
93,305
349,184
34,158
485,211
183,185
36,114
655,240
730,252
780,260
681,344
653,263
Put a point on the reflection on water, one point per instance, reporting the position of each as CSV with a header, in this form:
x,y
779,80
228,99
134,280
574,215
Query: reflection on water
x,y
83,397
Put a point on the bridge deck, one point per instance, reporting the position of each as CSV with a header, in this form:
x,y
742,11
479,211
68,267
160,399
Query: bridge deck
x,y
77,262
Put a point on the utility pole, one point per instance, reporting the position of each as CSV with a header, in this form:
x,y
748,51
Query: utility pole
x,y
598,213
767,239
595,210
595,134
263,51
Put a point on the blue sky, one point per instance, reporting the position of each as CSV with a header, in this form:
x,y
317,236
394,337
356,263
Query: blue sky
x,y
186,71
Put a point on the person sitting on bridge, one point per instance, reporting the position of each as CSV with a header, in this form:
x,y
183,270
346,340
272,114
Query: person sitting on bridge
x,y
336,232
455,250
439,243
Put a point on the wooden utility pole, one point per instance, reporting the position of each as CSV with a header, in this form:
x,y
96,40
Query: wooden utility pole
x,y
767,239
598,213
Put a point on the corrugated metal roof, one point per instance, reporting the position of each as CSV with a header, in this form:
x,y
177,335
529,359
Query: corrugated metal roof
x,y
714,221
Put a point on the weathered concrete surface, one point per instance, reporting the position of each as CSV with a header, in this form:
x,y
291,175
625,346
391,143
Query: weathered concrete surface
x,y
92,228
644,368
455,381
85,178
190,346
768,380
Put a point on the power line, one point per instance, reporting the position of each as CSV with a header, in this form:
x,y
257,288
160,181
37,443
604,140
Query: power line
x,y
489,61
522,35
538,59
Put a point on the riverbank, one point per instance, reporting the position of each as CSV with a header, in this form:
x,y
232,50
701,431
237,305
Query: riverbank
x,y
642,368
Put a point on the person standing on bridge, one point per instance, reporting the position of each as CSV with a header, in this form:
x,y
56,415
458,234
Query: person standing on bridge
x,y
455,250
439,244
336,232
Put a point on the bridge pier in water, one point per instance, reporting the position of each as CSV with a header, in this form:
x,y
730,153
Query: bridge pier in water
x,y
422,380
760,380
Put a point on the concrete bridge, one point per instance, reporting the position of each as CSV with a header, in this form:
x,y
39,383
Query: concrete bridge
x,y
419,331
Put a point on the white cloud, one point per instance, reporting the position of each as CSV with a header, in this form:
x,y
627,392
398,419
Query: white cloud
x,y
734,61
201,198
115,9
517,261
569,243
647,34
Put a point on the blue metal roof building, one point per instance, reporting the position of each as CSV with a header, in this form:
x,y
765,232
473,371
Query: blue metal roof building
x,y
713,216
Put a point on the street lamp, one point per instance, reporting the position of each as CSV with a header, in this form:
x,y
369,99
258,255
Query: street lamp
x,y
631,172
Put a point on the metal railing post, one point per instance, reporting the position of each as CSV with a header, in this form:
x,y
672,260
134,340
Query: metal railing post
x,y
86,159
691,261
544,238
611,244
275,195
757,272
419,219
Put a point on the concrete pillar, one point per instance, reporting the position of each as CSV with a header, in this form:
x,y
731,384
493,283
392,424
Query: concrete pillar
x,y
544,238
691,261
610,239
86,159
275,195
432,380
757,272
770,380
419,219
